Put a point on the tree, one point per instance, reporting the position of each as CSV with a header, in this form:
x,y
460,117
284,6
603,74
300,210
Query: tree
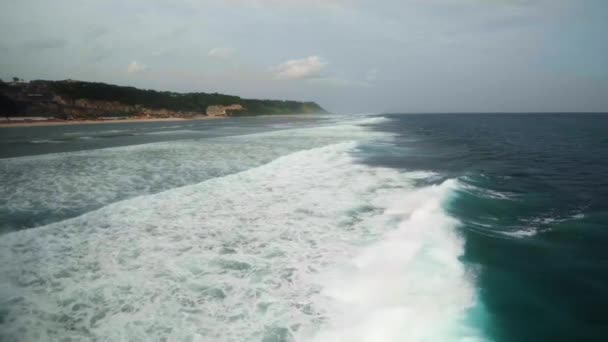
x,y
15,79
8,107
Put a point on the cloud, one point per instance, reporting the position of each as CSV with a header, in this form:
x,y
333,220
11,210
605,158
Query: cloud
x,y
292,3
371,75
96,53
44,44
135,67
339,82
95,33
221,52
299,69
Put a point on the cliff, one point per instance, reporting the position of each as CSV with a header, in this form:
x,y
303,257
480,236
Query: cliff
x,y
232,110
88,100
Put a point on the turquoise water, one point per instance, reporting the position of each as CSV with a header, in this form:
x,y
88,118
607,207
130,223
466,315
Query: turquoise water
x,y
533,208
335,228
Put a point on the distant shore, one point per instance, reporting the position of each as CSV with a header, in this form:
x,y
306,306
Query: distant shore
x,y
24,123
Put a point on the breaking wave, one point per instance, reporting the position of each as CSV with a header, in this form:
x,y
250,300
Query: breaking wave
x,y
310,246
70,184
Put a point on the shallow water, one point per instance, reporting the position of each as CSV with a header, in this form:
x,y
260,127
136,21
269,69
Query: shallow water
x,y
338,228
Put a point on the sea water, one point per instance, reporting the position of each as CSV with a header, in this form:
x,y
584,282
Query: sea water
x,y
336,228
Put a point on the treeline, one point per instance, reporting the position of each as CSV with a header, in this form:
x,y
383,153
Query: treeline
x,y
8,106
189,102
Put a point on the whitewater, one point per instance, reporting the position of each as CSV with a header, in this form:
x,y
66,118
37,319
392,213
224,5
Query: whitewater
x,y
283,235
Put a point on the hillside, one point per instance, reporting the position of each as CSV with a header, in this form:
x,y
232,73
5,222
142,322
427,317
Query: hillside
x,y
78,99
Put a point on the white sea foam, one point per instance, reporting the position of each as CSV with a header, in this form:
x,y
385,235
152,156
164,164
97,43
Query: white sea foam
x,y
522,233
547,220
46,141
175,126
372,120
180,131
66,184
409,286
488,193
113,131
311,246
538,225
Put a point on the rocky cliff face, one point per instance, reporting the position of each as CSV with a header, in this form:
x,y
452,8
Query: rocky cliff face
x,y
84,108
224,110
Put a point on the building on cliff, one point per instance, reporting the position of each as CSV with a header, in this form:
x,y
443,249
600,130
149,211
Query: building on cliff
x,y
221,111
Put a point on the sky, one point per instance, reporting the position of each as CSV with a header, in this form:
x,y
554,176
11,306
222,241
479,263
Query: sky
x,y
350,56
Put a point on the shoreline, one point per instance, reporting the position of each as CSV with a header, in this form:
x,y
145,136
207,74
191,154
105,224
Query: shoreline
x,y
33,123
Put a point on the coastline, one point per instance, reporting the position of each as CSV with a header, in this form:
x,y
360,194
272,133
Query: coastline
x,y
8,124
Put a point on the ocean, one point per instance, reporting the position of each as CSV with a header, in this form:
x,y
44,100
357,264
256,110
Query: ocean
x,y
393,227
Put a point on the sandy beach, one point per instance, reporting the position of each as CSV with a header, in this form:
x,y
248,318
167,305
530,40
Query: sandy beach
x,y
5,123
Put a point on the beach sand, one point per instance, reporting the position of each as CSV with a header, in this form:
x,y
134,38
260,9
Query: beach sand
x,y
5,123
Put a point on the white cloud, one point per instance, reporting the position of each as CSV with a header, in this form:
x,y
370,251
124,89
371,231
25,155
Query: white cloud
x,y
299,69
371,75
222,52
292,3
339,82
135,67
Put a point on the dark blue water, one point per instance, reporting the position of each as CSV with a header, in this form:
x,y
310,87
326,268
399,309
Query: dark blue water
x,y
534,211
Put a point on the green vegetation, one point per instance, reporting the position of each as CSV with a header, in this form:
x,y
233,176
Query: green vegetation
x,y
190,102
8,107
